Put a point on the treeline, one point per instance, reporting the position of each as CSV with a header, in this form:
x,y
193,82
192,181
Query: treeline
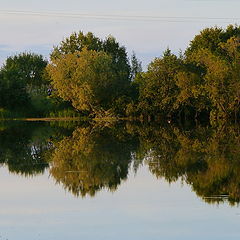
x,y
95,78
203,81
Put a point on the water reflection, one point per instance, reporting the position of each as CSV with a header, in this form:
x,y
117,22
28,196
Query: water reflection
x,y
207,159
87,158
22,148
92,159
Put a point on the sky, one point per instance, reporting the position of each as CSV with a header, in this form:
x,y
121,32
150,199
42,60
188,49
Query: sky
x,y
146,27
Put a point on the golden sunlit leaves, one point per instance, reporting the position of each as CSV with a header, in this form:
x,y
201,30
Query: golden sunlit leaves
x,y
83,78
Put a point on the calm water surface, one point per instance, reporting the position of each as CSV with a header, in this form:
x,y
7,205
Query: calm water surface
x,y
104,181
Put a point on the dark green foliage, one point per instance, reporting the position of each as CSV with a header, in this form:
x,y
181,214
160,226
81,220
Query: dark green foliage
x,y
136,66
157,86
13,90
23,146
29,68
22,77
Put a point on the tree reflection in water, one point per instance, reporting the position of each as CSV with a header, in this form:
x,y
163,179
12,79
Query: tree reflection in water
x,y
22,148
91,158
25,146
208,159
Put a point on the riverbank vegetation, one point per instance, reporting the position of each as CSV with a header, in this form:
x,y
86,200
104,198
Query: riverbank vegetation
x,y
92,77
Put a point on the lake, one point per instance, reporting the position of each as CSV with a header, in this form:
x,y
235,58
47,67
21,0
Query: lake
x,y
80,180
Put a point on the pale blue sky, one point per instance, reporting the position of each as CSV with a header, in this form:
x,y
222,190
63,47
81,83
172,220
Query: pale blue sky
x,y
147,38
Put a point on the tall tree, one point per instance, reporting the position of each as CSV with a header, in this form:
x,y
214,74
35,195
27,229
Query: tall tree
x,y
98,72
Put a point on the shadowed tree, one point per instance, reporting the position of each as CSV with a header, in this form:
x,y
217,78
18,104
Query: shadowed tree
x,y
21,77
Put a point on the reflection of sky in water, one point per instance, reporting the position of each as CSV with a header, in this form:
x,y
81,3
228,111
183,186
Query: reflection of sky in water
x,y
147,38
141,208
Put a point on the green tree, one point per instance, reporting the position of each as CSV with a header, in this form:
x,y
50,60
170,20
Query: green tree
x,y
192,94
136,66
210,81
76,42
21,76
87,81
157,87
211,39
28,67
98,72
219,79
13,91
